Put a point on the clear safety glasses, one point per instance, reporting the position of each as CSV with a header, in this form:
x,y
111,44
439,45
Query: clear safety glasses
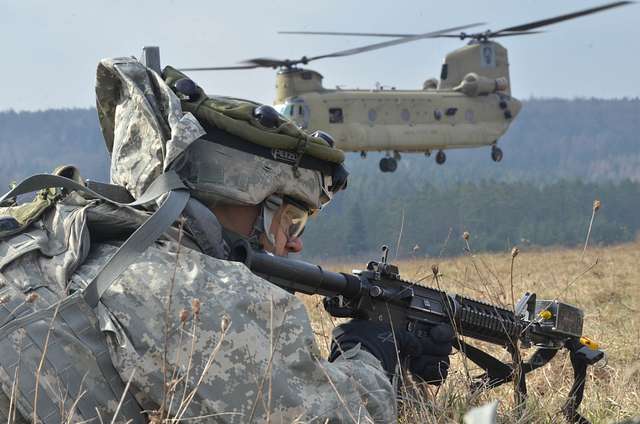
x,y
292,215
293,219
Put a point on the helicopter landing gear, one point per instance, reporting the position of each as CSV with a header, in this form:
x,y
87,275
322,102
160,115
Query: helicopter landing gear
x,y
396,155
427,153
388,164
363,154
440,157
496,153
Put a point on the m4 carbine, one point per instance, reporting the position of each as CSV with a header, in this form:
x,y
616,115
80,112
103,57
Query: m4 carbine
x,y
379,294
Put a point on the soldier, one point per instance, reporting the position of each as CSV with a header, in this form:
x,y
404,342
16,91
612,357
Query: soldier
x,y
190,333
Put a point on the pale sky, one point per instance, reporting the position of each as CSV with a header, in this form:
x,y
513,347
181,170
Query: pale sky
x,y
50,48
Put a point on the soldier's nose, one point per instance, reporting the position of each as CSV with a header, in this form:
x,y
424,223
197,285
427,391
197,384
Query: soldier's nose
x,y
294,245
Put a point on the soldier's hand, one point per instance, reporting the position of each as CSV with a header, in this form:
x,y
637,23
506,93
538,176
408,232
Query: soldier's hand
x,y
427,357
430,362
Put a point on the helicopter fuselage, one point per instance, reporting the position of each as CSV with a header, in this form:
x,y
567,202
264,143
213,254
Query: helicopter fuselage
x,y
469,106
403,120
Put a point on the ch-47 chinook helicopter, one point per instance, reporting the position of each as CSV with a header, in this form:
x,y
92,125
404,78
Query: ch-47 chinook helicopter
x,y
469,106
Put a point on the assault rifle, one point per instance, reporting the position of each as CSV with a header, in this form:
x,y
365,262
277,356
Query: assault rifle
x,y
378,293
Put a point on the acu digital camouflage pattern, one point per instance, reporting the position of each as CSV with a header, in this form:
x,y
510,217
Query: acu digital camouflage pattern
x,y
142,123
266,366
248,354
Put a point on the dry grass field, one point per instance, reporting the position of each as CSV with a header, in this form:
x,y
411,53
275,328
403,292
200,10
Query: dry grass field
x,y
604,282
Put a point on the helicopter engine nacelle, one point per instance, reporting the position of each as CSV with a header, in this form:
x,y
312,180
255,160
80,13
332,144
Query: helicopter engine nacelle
x,y
476,85
486,59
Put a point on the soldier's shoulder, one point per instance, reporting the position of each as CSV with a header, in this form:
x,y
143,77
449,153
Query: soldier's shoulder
x,y
192,273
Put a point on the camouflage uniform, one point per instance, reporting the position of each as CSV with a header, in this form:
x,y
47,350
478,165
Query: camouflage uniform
x,y
200,335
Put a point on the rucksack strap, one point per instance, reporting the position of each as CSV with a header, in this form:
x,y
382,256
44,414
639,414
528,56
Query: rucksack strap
x,y
112,191
168,212
136,244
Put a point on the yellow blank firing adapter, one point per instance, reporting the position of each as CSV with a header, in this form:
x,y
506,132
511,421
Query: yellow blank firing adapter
x,y
545,314
589,343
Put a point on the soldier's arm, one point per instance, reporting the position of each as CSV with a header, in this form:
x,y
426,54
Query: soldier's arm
x,y
250,345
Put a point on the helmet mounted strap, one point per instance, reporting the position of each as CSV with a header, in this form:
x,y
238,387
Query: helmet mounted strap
x,y
301,148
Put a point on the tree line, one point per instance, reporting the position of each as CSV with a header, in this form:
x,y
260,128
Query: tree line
x,y
431,220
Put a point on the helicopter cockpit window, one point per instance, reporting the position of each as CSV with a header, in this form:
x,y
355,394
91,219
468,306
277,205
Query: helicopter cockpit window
x,y
335,115
287,111
445,71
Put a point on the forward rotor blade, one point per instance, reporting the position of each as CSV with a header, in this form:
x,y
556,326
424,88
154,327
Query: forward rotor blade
x,y
390,43
357,34
556,19
479,34
220,68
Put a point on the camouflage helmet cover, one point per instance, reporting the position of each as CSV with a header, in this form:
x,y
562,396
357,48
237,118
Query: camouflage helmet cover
x,y
219,175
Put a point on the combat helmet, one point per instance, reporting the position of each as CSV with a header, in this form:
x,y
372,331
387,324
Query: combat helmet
x,y
253,156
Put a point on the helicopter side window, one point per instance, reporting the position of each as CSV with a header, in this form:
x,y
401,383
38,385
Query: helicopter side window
x,y
335,115
445,71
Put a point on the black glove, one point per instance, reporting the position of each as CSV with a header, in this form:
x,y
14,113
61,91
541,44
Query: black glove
x,y
427,357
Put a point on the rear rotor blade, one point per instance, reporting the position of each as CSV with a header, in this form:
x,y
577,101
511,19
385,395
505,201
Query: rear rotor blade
x,y
524,29
556,19
509,34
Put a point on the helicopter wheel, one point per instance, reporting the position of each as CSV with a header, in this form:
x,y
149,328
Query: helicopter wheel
x,y
496,154
363,154
388,164
440,157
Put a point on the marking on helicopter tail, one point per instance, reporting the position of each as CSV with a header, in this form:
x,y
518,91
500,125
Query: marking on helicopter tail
x,y
488,56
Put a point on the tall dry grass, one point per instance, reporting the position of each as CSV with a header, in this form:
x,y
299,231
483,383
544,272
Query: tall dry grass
x,y
601,281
